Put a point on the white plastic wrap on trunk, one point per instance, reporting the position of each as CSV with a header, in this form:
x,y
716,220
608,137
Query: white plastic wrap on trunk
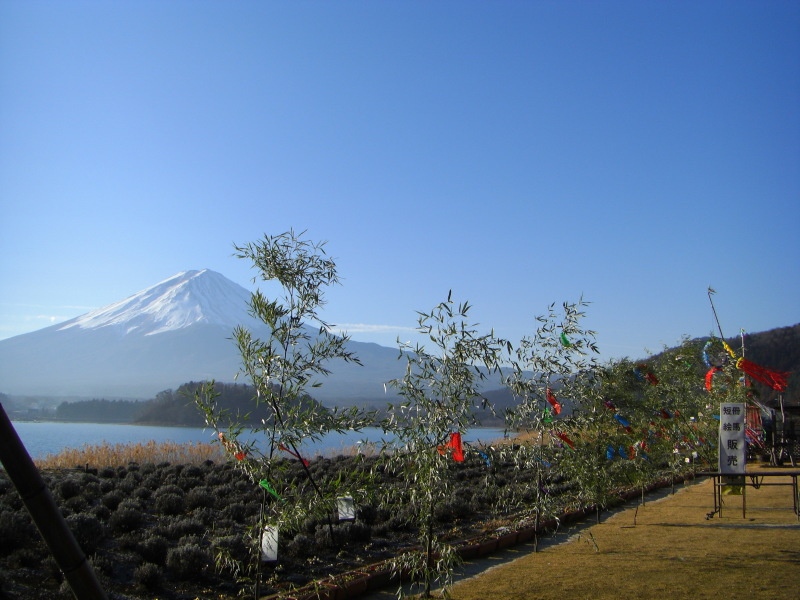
x,y
346,508
269,544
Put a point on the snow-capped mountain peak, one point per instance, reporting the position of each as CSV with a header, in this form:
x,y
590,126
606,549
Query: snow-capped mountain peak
x,y
185,299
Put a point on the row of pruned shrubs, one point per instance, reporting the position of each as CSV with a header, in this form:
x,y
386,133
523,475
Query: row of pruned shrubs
x,y
147,525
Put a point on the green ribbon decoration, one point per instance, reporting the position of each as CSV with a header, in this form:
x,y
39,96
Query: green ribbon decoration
x,y
565,341
548,416
265,484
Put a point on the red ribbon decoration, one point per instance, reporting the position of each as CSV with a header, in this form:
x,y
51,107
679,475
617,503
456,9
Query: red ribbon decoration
x,y
455,444
647,374
777,380
710,376
553,402
295,454
563,437
232,447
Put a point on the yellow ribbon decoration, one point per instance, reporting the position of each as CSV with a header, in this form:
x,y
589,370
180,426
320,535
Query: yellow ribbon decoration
x,y
728,348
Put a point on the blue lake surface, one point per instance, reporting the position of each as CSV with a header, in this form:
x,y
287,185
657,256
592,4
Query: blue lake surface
x,y
43,438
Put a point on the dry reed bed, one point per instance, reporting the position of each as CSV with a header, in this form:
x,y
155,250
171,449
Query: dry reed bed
x,y
115,455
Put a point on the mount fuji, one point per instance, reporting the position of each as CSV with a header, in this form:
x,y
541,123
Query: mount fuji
x,y
176,331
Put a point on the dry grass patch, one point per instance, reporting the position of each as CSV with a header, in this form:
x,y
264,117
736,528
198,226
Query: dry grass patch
x,y
114,455
666,548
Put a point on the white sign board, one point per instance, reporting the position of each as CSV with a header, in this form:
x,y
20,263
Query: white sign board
x,y
732,445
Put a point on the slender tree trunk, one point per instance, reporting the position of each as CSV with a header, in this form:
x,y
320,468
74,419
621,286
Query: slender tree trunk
x,y
429,554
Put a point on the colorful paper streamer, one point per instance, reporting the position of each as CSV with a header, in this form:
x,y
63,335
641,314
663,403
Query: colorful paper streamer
x,y
265,484
643,373
455,444
553,402
777,380
295,454
563,437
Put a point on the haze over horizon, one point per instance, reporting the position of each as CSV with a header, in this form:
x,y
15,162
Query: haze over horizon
x,y
520,154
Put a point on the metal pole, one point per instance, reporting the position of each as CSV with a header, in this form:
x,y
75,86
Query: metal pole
x,y
714,310
45,514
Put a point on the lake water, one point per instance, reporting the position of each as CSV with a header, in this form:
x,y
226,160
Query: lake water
x,y
42,438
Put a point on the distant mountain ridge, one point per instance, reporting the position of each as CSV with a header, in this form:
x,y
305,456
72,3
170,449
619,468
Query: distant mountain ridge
x,y
176,331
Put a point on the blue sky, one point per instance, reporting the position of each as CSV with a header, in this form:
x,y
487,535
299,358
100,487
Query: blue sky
x,y
518,153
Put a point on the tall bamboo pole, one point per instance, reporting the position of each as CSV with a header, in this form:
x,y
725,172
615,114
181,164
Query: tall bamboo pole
x,y
45,514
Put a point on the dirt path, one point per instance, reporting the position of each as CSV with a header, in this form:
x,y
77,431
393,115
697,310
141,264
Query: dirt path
x,y
666,548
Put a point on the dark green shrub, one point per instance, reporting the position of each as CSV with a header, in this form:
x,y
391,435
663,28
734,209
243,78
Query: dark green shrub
x,y
200,497
360,532
301,546
127,485
344,533
235,545
169,504
188,562
101,512
191,477
182,527
91,490
112,500
348,532
236,512
366,514
69,487
76,504
25,558
192,471
130,503
455,508
253,508
216,479
168,489
153,549
190,540
207,516
16,530
125,520
103,564
107,473
12,501
152,482
142,493
88,531
148,576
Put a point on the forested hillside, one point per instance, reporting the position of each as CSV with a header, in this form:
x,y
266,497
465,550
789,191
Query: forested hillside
x,y
170,407
99,411
776,349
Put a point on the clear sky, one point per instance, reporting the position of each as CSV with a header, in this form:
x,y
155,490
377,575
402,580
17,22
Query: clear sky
x,y
517,152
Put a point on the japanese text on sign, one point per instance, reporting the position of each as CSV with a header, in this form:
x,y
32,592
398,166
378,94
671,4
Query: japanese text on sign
x,y
732,445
